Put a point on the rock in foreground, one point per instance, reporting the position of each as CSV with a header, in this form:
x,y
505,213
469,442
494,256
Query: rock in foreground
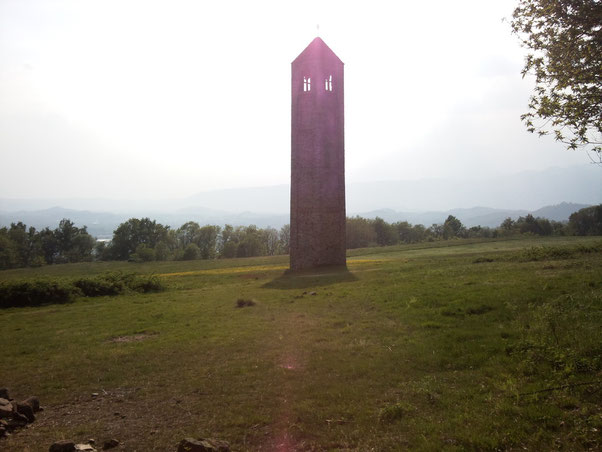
x,y
203,445
62,446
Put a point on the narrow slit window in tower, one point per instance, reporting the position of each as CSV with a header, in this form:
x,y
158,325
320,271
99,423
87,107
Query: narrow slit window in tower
x,y
304,84
308,83
330,83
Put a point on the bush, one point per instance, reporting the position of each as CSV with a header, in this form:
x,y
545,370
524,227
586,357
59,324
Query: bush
x,y
105,284
36,292
541,253
587,249
116,283
146,284
43,291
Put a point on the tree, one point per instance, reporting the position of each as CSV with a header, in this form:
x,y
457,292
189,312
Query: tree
x,y
226,246
507,225
102,251
191,252
284,241
188,233
134,232
8,251
17,234
251,243
564,42
418,233
49,244
360,233
270,239
480,231
161,251
143,254
587,221
73,244
81,247
404,231
453,228
436,230
207,241
538,226
64,235
385,233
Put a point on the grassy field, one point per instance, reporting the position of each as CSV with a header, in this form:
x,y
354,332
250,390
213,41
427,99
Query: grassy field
x,y
492,345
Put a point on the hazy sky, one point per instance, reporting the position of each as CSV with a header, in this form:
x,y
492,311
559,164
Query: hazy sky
x,y
159,99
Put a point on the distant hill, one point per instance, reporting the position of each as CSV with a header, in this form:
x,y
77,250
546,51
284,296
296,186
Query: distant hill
x,y
560,212
415,201
476,216
102,224
523,191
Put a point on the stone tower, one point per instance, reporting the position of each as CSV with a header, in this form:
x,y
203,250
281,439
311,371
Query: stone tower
x,y
317,159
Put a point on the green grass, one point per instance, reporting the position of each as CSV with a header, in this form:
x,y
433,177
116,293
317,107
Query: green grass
x,y
460,345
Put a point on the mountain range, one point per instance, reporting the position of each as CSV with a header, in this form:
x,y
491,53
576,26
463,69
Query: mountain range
x,y
102,224
561,191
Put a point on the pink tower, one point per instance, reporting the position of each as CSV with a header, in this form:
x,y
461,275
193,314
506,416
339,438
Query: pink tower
x,y
317,159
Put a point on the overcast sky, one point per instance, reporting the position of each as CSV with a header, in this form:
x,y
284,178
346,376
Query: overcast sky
x,y
160,99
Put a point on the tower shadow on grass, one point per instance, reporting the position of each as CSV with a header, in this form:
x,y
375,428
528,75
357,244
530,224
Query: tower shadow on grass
x,y
316,277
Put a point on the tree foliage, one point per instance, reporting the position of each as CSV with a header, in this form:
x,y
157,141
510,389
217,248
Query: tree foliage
x,y
452,227
587,221
564,42
134,232
21,246
360,232
142,240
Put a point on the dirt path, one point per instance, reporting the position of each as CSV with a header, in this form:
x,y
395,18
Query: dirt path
x,y
291,361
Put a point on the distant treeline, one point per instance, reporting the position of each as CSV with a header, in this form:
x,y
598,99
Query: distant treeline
x,y
141,240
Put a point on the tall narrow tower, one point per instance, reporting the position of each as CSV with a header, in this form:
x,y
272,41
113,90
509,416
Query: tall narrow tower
x,y
317,159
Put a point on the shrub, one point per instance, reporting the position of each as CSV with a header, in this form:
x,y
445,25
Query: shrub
x,y
116,283
105,284
35,292
42,291
541,253
146,284
587,249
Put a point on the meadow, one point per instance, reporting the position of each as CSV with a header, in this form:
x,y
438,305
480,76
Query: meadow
x,y
455,345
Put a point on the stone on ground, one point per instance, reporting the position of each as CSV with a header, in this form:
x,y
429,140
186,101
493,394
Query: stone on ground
x,y
26,411
109,444
203,445
33,402
62,446
6,408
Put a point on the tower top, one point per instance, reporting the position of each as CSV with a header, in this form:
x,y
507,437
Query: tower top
x,y
316,48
